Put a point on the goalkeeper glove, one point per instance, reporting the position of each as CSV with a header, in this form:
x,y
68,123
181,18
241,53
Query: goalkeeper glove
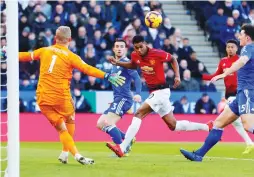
x,y
115,79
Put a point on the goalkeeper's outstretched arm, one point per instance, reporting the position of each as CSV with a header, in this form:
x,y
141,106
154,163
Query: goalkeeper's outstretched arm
x,y
29,56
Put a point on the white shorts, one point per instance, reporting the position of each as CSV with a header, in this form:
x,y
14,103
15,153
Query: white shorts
x,y
231,99
159,101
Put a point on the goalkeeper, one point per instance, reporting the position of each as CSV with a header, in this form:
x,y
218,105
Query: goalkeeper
x,y
53,91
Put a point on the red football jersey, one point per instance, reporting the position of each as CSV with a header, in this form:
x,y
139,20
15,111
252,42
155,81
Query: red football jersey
x,y
151,66
230,81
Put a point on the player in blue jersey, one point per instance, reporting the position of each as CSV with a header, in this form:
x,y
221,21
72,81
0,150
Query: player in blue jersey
x,y
243,105
123,97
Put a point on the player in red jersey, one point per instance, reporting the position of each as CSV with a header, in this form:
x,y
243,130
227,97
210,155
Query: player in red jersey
x,y
151,63
230,82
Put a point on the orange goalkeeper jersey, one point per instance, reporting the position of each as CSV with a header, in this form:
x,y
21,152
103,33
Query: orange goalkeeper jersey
x,y
56,65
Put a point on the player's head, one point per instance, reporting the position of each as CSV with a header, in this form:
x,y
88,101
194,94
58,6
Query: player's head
x,y
231,47
63,35
119,48
139,45
246,35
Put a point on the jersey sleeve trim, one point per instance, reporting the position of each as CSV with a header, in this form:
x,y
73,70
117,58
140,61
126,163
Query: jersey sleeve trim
x,y
32,56
167,57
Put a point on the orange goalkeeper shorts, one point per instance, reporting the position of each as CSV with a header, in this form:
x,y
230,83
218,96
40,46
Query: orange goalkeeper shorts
x,y
56,114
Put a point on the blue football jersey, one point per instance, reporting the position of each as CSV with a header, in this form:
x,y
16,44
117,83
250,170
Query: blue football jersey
x,y
125,90
246,73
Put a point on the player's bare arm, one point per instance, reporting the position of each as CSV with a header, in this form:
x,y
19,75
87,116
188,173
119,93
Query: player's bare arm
x,y
128,65
175,66
235,67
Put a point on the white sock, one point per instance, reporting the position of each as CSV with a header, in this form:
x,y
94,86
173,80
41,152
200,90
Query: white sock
x,y
131,133
65,153
78,156
240,130
184,125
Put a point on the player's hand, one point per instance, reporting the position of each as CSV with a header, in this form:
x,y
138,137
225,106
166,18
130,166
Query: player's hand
x,y
137,98
177,82
215,78
112,60
115,79
202,111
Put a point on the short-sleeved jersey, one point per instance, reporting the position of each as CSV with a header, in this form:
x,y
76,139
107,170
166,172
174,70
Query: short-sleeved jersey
x,y
56,65
230,81
124,91
246,73
151,66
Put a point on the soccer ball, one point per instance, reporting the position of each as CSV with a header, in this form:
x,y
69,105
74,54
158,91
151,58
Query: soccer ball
x,y
153,19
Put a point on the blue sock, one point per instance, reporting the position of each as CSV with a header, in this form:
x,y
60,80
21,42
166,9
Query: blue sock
x,y
115,134
213,137
122,134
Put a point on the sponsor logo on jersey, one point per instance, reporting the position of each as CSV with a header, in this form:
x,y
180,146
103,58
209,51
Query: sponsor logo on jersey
x,y
147,70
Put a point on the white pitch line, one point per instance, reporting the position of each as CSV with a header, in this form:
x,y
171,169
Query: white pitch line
x,y
222,158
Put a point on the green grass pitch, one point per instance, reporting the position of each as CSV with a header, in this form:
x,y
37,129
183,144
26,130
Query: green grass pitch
x,y
146,159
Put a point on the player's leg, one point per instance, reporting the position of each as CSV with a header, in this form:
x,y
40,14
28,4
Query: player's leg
x,y
178,125
152,103
107,123
182,125
228,115
70,125
238,125
69,114
66,139
112,115
248,123
133,129
246,110
143,110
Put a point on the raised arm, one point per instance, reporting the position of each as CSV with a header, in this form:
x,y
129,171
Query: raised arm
x,y
235,67
30,56
114,78
128,65
79,64
210,76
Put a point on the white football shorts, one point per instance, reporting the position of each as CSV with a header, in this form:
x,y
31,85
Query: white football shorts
x,y
159,101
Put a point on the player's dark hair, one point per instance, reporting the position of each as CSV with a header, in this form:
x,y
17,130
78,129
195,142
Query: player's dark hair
x,y
232,41
120,40
185,38
138,39
248,30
